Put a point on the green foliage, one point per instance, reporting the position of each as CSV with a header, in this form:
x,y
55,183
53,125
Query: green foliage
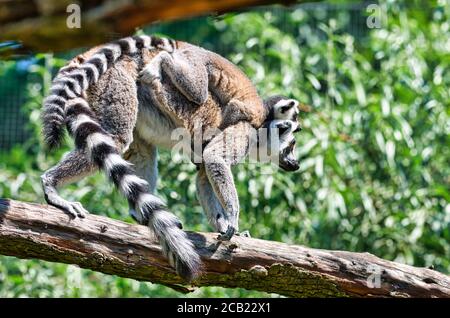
x,y
374,150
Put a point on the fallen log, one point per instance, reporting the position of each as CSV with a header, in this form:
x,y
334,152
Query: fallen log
x,y
29,230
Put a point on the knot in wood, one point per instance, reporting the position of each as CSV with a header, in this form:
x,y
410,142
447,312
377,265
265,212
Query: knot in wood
x,y
259,271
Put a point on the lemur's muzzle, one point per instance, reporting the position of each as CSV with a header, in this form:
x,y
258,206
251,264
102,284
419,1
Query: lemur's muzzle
x,y
289,165
287,159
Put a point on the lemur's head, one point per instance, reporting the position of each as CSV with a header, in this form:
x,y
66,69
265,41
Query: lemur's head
x,y
281,107
282,122
284,131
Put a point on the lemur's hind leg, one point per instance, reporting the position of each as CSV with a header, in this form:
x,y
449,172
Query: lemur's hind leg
x,y
73,167
227,149
187,72
144,158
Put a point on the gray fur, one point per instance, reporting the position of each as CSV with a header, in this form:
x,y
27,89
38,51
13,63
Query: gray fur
x,y
185,71
215,213
144,158
223,151
114,103
110,112
73,167
216,190
75,78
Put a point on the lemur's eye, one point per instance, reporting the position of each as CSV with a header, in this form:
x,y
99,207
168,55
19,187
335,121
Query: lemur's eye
x,y
285,108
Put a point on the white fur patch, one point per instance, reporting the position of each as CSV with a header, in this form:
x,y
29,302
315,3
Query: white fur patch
x,y
53,108
291,113
81,119
102,58
152,71
98,138
65,68
131,44
84,82
54,98
286,138
148,198
113,160
65,79
77,100
115,48
147,40
155,128
128,180
93,68
58,85
166,45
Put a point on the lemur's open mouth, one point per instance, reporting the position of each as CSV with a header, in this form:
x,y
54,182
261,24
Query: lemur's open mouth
x,y
289,165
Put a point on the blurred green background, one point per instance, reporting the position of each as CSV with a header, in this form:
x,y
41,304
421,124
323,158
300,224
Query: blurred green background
x,y
374,150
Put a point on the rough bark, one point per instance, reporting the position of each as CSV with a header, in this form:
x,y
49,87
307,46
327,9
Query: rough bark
x,y
29,230
41,24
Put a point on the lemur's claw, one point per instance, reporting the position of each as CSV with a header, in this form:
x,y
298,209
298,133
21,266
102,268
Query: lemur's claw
x,y
81,211
228,234
74,209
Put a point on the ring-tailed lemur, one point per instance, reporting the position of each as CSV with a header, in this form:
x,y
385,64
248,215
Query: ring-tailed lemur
x,y
178,83
100,99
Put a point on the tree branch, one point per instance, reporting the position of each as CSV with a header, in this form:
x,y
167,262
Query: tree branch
x,y
113,247
41,25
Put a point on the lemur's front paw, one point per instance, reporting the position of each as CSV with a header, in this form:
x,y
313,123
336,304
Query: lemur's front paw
x,y
231,230
74,209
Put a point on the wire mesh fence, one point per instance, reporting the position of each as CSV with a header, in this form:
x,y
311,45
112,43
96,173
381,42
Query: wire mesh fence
x,y
13,121
14,81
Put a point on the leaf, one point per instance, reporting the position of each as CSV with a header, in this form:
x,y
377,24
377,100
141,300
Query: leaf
x,y
390,153
360,94
314,81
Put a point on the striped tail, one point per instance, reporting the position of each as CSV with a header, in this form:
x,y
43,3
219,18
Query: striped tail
x,y
73,80
148,209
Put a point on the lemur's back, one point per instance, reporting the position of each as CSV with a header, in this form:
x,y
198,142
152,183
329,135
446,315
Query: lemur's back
x,y
231,95
114,97
227,82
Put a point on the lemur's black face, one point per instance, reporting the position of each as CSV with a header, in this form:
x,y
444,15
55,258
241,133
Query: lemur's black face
x,y
283,119
286,143
288,162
